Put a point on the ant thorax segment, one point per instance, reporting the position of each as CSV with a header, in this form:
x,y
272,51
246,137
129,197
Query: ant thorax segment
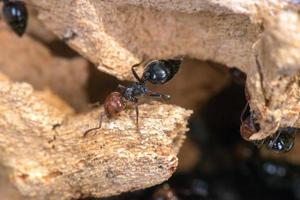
x,y
133,91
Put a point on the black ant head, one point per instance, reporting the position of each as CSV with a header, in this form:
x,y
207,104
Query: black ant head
x,y
160,71
16,16
283,141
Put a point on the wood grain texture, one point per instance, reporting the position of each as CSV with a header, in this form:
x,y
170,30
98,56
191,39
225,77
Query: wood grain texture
x,y
47,161
259,37
117,34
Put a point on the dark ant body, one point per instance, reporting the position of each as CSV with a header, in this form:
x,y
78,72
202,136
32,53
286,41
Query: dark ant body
x,y
158,71
155,72
283,141
15,15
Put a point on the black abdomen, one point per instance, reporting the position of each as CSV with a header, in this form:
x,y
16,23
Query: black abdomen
x,y
16,15
161,71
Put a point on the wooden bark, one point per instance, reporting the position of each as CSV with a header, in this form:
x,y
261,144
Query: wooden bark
x,y
48,157
42,149
116,34
26,59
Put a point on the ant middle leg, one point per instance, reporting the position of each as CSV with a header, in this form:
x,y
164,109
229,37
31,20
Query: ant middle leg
x,y
102,114
137,116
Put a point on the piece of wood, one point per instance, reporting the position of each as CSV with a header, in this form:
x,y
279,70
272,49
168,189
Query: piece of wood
x,y
259,37
273,82
26,59
47,156
117,34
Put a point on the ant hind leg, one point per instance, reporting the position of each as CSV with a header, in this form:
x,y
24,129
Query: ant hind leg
x,y
136,106
102,114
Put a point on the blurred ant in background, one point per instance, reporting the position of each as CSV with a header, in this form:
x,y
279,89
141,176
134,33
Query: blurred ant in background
x,y
155,72
283,141
15,15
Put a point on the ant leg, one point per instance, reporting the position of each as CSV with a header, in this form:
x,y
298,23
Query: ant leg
x,y
136,76
102,114
121,87
137,116
159,95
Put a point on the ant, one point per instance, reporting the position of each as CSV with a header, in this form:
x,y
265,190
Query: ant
x,y
155,72
15,15
282,142
284,137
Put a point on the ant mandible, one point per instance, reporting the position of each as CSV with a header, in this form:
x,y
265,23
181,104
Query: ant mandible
x,y
15,15
155,72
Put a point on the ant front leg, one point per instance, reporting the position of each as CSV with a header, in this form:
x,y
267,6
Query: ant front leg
x,y
136,76
102,114
159,95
